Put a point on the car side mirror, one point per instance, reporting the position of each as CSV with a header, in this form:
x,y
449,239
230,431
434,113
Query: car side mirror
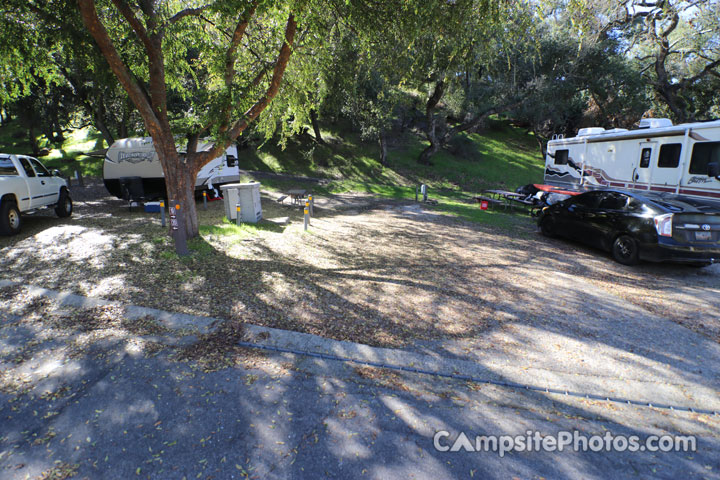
x,y
231,161
56,173
714,170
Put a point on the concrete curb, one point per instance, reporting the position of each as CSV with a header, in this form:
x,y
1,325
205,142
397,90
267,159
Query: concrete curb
x,y
649,391
172,321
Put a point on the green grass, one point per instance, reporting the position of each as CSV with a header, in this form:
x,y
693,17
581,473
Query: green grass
x,y
502,156
67,157
228,228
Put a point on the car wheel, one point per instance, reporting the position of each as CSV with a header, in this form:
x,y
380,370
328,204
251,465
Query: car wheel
x,y
625,250
64,206
9,218
547,226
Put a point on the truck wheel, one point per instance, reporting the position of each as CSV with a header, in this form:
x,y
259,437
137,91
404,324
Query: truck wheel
x,y
9,218
625,250
64,207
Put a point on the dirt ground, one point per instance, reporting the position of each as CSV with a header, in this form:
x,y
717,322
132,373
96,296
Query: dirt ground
x,y
382,272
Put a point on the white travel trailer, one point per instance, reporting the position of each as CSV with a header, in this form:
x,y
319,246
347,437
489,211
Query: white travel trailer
x,y
658,157
131,162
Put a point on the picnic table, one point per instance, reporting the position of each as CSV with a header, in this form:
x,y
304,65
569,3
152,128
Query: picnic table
x,y
509,198
297,195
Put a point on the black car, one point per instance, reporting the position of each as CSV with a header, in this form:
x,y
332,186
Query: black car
x,y
634,227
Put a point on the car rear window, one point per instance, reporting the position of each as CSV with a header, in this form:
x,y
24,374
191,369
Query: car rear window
x,y
589,200
613,201
7,168
702,155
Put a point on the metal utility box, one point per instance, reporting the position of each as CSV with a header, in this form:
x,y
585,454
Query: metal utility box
x,y
247,195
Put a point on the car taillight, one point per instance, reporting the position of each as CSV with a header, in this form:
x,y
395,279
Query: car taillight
x,y
663,224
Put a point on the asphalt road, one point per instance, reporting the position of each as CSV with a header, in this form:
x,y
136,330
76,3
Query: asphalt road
x,y
116,409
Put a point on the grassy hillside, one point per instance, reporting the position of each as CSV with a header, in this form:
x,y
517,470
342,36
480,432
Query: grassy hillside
x,y
502,156
67,157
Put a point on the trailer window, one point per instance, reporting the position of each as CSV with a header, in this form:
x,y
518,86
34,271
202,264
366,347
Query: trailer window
x,y
702,155
7,168
26,166
645,157
669,155
561,157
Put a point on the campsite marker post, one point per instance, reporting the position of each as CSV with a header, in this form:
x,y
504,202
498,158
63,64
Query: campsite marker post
x,y
307,218
176,223
312,202
205,199
162,213
238,219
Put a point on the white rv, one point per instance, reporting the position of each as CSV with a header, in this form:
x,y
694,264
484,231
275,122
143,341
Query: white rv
x,y
658,156
136,159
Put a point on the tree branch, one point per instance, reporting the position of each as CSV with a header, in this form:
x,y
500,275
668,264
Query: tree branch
x,y
196,12
252,113
134,22
102,39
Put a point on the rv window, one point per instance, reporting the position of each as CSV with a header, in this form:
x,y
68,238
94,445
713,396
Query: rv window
x,y
7,167
26,166
561,157
645,157
669,155
702,155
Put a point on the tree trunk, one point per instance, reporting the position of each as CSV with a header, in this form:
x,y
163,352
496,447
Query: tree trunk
x,y
99,121
425,155
122,128
383,148
316,126
59,135
180,183
33,141
431,132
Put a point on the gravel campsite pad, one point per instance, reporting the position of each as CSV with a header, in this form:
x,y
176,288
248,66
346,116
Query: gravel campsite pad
x,y
381,272
375,271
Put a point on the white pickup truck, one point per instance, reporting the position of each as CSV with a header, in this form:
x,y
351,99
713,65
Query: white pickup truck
x,y
26,185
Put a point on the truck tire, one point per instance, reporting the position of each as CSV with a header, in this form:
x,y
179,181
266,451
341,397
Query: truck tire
x,y
64,207
9,218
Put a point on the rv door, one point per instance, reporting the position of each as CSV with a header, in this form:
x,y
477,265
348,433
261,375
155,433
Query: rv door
x,y
643,166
